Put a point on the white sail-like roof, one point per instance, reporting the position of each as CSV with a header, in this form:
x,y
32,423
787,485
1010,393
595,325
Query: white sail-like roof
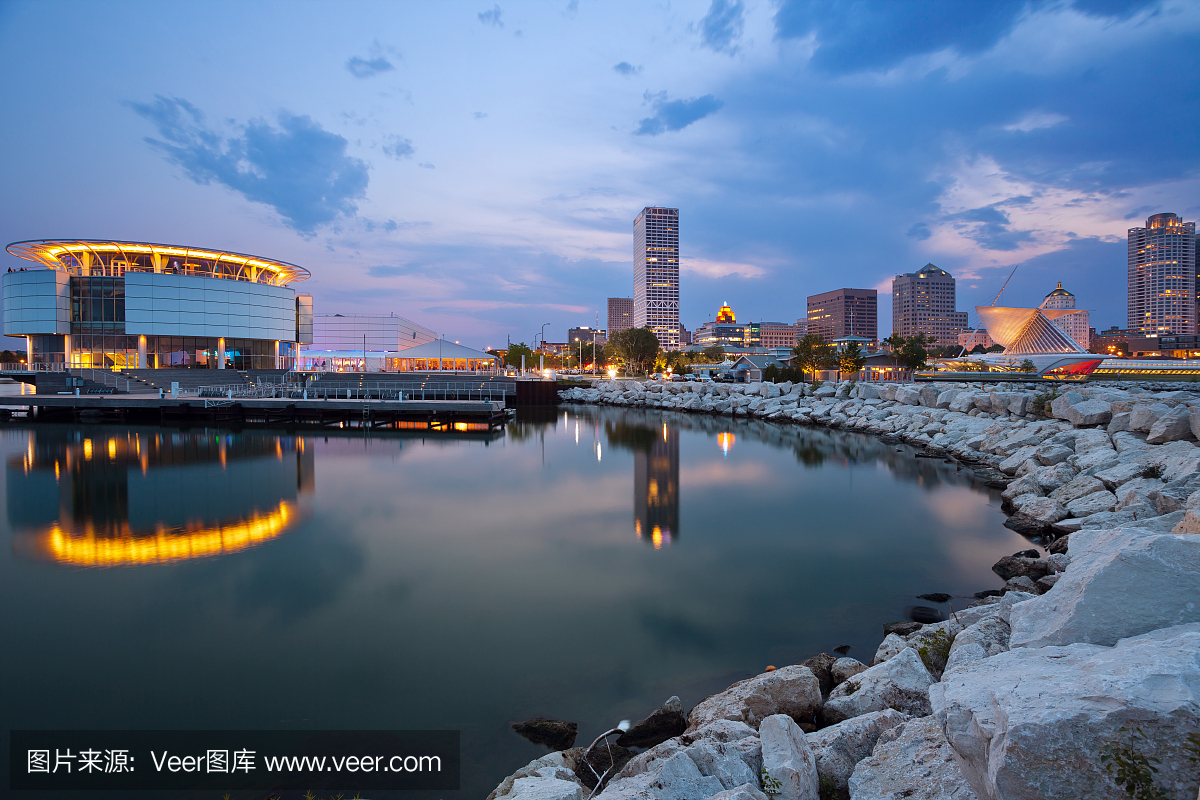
x,y
1028,331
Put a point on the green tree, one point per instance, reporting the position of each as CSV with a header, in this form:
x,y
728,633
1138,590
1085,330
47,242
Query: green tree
x,y
811,353
912,354
851,359
9,357
714,354
1027,366
513,356
978,350
636,348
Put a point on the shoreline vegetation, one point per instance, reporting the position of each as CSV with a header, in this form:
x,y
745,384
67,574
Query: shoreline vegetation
x,y
1080,678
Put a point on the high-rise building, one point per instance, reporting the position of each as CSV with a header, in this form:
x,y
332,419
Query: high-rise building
x,y
923,302
656,274
801,327
844,312
1077,325
620,314
778,334
685,337
587,335
1162,277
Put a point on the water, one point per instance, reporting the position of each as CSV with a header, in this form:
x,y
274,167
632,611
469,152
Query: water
x,y
583,566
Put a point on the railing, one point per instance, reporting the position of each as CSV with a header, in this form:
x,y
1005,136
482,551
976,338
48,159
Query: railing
x,y
18,366
382,391
103,377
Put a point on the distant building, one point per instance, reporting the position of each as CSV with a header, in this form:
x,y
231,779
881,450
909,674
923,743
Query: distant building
x,y
801,327
725,330
587,335
726,314
972,339
1162,280
685,337
779,334
844,312
656,489
1077,325
372,332
923,302
620,314
656,274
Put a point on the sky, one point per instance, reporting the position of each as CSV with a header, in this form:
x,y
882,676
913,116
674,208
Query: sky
x,y
477,166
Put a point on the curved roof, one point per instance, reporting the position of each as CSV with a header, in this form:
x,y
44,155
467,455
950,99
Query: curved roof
x,y
117,257
1060,292
1028,331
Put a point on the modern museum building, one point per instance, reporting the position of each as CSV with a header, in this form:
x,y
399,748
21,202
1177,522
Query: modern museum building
x,y
130,305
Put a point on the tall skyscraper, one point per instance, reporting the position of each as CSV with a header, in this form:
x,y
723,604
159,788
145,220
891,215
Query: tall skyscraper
x,y
844,312
1162,277
656,274
620,314
1077,325
923,302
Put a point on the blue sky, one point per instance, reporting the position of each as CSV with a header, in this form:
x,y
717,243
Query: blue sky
x,y
477,166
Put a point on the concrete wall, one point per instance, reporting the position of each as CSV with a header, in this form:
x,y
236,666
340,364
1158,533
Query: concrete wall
x,y
37,301
182,305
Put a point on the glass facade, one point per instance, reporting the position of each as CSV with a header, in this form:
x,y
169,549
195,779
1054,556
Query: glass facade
x,y
97,305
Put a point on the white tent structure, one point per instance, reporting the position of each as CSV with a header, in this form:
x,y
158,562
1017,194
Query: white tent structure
x,y
1029,334
436,356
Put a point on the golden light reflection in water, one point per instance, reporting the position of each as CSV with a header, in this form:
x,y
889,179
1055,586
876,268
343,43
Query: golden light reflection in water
x,y
725,442
90,548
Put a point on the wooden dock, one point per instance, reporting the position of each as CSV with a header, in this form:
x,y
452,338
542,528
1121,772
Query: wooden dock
x,y
457,415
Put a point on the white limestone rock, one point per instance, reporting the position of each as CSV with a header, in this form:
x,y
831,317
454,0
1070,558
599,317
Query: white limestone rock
x,y
1043,509
792,690
1093,503
891,645
984,639
720,756
1143,417
1120,583
545,789
1171,426
902,683
1030,724
551,765
1050,478
918,764
788,759
1086,440
1119,474
1049,455
747,791
840,747
1080,486
1173,496
845,668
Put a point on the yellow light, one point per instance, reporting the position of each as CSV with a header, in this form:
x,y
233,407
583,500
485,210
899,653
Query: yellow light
x,y
112,449
87,449
656,537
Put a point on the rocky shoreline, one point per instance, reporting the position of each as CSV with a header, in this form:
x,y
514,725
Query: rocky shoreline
x,y
1089,660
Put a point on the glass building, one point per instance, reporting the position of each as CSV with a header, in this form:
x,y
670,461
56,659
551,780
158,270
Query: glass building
x,y
656,274
1162,288
136,305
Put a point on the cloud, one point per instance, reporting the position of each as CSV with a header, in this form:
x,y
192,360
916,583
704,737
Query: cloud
x,y
720,269
627,69
675,115
492,17
480,115
989,227
1036,120
398,147
722,25
366,68
1141,212
426,165
572,9
298,168
919,231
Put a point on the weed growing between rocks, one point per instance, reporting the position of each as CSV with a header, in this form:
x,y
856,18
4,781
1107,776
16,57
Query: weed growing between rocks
x,y
771,786
1133,770
936,651
1153,471
827,789
1042,400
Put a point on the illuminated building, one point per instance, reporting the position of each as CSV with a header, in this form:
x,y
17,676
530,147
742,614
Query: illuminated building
x,y
587,335
367,331
923,302
725,331
1162,279
1030,339
726,314
620,314
656,488
778,334
1076,325
656,274
844,312
138,305
971,339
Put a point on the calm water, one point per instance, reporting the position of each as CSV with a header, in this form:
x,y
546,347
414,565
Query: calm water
x,y
583,566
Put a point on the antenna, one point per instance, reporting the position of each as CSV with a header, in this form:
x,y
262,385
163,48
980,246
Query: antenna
x,y
994,301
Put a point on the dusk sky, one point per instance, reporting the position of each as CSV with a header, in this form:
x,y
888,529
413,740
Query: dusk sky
x,y
477,167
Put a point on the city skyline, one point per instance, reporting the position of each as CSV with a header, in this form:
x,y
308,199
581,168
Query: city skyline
x,y
474,166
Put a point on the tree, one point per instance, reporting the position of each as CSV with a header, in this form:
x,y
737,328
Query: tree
x,y
770,374
714,354
912,354
1027,366
978,350
9,357
513,356
851,359
636,348
811,353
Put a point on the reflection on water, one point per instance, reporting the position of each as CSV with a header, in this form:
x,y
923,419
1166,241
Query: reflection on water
x,y
95,497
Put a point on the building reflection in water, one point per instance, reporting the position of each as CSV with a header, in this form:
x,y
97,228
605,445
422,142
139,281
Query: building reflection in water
x,y
655,478
725,442
104,497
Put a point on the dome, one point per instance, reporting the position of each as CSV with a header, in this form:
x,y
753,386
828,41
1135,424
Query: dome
x,y
1060,292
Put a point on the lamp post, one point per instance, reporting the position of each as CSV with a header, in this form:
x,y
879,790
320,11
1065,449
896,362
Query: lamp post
x,y
580,354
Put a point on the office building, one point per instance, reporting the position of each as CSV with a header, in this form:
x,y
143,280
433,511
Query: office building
x,y
724,331
923,302
970,339
778,334
844,312
1162,280
1077,325
587,335
137,305
685,337
801,328
656,274
620,314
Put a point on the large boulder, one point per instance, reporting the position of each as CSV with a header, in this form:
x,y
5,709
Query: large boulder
x,y
792,690
1093,503
1010,567
665,722
912,761
556,766
1120,583
1143,417
789,767
718,757
986,638
1080,486
1032,723
1174,495
1176,424
554,733
1089,412
840,747
545,789
1044,510
901,683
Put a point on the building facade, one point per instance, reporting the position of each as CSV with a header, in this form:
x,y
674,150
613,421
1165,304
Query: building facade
x,y
371,332
844,312
656,274
778,334
725,331
1162,287
137,305
971,339
923,302
620,314
1077,325
587,335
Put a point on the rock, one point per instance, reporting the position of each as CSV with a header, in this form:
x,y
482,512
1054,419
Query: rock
x,y
1093,503
1049,455
787,759
792,690
1010,567
845,668
1119,584
839,748
918,764
820,664
1143,417
1194,420
1174,495
984,639
1060,545
720,756
1119,422
1043,510
665,722
891,645
901,683
1047,583
1032,723
611,758
1026,484
1020,584
903,628
1058,562
1050,478
1087,440
1060,405
907,396
1119,474
939,597
544,789
1089,412
551,765
675,777
747,791
1171,427
1081,486
554,733
1190,524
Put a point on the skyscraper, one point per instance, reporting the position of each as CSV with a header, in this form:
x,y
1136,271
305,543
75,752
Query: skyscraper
x,y
656,274
1077,325
923,302
1162,277
620,314
844,312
